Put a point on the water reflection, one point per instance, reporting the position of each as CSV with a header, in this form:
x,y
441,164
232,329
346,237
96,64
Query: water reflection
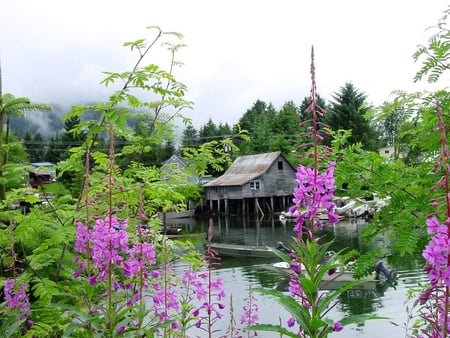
x,y
385,299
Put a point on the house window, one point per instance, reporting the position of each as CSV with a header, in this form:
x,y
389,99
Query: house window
x,y
386,151
280,165
254,185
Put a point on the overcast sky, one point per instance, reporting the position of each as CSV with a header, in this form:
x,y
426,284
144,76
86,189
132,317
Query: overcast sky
x,y
237,51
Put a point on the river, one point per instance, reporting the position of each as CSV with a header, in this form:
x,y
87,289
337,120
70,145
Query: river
x,y
387,300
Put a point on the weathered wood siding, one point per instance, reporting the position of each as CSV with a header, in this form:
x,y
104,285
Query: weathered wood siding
x,y
274,182
279,182
220,193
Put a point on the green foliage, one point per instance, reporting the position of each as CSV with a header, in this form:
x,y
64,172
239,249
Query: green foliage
x,y
406,188
436,53
350,111
10,325
190,137
269,129
39,239
311,307
215,155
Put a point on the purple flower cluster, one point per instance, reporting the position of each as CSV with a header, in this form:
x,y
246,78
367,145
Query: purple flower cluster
x,y
436,252
16,298
203,287
435,300
250,314
107,245
313,195
164,301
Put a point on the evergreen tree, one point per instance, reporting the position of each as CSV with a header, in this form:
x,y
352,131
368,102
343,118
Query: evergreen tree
x,y
224,130
306,103
38,153
73,136
286,129
28,143
208,132
349,111
168,149
190,137
261,136
258,122
55,149
252,115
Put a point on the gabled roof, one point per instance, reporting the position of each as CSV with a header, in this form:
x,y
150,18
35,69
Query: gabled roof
x,y
176,159
245,169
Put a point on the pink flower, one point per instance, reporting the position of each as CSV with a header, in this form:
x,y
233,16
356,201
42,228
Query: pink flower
x,y
16,298
314,193
337,326
291,322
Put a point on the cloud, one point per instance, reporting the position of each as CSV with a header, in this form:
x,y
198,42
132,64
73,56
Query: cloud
x,y
237,51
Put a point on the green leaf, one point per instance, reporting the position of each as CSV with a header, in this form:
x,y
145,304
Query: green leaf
x,y
45,289
295,309
357,319
308,286
272,328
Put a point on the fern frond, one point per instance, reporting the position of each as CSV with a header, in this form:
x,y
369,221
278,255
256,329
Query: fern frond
x,y
44,289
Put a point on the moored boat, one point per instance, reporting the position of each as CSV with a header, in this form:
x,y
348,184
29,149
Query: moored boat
x,y
341,277
168,215
237,250
343,205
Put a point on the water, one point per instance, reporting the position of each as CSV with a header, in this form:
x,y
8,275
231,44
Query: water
x,y
239,275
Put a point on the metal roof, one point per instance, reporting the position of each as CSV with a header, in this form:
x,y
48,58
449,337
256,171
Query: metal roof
x,y
245,169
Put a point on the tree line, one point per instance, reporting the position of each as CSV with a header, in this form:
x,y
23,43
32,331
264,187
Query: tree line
x,y
270,129
106,172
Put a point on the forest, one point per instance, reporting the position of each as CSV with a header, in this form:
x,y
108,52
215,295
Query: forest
x,y
108,158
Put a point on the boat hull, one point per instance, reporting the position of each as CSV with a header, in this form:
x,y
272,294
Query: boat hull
x,y
337,279
236,250
176,214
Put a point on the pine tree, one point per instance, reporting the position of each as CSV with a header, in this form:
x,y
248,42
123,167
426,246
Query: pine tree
x,y
39,148
348,111
209,131
55,149
190,137
258,122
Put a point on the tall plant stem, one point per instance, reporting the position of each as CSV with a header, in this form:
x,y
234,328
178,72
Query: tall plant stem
x,y
444,163
110,216
315,133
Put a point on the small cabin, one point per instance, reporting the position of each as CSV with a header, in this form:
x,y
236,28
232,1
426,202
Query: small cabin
x,y
176,166
253,184
41,173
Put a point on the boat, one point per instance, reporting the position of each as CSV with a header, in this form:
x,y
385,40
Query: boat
x,y
380,276
239,250
344,205
168,215
343,208
368,206
171,230
287,215
145,230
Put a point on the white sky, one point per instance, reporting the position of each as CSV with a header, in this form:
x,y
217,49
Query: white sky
x,y
238,51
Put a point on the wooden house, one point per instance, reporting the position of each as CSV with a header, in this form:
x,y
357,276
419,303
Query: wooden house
x,y
253,184
41,173
177,165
